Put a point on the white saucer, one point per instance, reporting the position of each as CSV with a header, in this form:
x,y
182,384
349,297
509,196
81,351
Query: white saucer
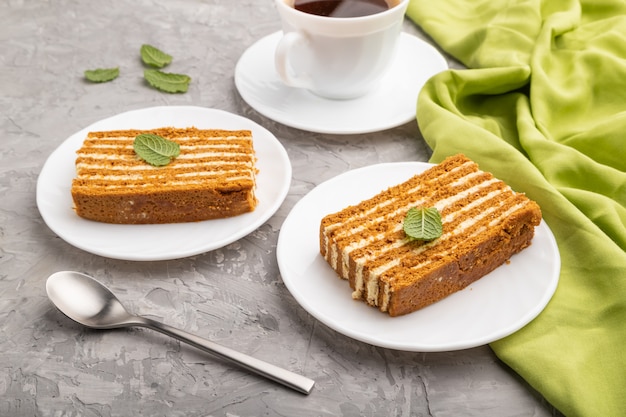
x,y
392,104
155,242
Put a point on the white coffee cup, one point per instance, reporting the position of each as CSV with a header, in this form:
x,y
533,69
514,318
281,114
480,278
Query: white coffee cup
x,y
337,57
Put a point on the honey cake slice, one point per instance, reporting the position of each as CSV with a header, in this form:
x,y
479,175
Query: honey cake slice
x,y
212,178
484,223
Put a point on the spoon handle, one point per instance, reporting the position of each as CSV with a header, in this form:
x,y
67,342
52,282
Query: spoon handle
x,y
273,372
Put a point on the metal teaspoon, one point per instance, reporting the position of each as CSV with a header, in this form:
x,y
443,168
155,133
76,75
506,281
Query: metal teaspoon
x,y
88,302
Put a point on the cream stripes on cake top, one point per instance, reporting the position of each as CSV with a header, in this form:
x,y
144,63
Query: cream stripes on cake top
x,y
110,163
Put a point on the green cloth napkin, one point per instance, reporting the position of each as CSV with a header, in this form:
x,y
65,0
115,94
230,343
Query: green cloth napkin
x,y
543,107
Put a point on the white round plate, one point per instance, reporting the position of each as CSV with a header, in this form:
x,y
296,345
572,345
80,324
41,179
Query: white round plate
x,y
161,241
489,309
391,104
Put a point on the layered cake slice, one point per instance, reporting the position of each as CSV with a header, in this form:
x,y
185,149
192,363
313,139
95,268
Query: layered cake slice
x,y
484,224
212,177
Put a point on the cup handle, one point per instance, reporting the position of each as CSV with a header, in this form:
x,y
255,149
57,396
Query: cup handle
x,y
282,62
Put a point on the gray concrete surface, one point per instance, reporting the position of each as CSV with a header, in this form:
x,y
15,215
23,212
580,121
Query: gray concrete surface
x,y
50,366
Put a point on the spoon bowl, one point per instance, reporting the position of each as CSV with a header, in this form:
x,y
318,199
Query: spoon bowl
x,y
88,302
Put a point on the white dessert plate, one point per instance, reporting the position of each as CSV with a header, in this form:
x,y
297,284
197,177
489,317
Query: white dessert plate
x,y
391,104
489,309
161,241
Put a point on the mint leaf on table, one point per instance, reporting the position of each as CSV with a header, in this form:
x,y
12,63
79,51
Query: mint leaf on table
x,y
102,75
423,223
167,81
155,150
154,57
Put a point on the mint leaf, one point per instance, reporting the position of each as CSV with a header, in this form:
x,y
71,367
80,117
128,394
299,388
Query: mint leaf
x,y
155,149
423,223
102,75
166,81
154,57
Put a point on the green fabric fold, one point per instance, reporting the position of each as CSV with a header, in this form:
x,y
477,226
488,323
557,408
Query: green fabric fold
x,y
542,106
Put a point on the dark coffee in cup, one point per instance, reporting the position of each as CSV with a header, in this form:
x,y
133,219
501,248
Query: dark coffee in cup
x,y
342,8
